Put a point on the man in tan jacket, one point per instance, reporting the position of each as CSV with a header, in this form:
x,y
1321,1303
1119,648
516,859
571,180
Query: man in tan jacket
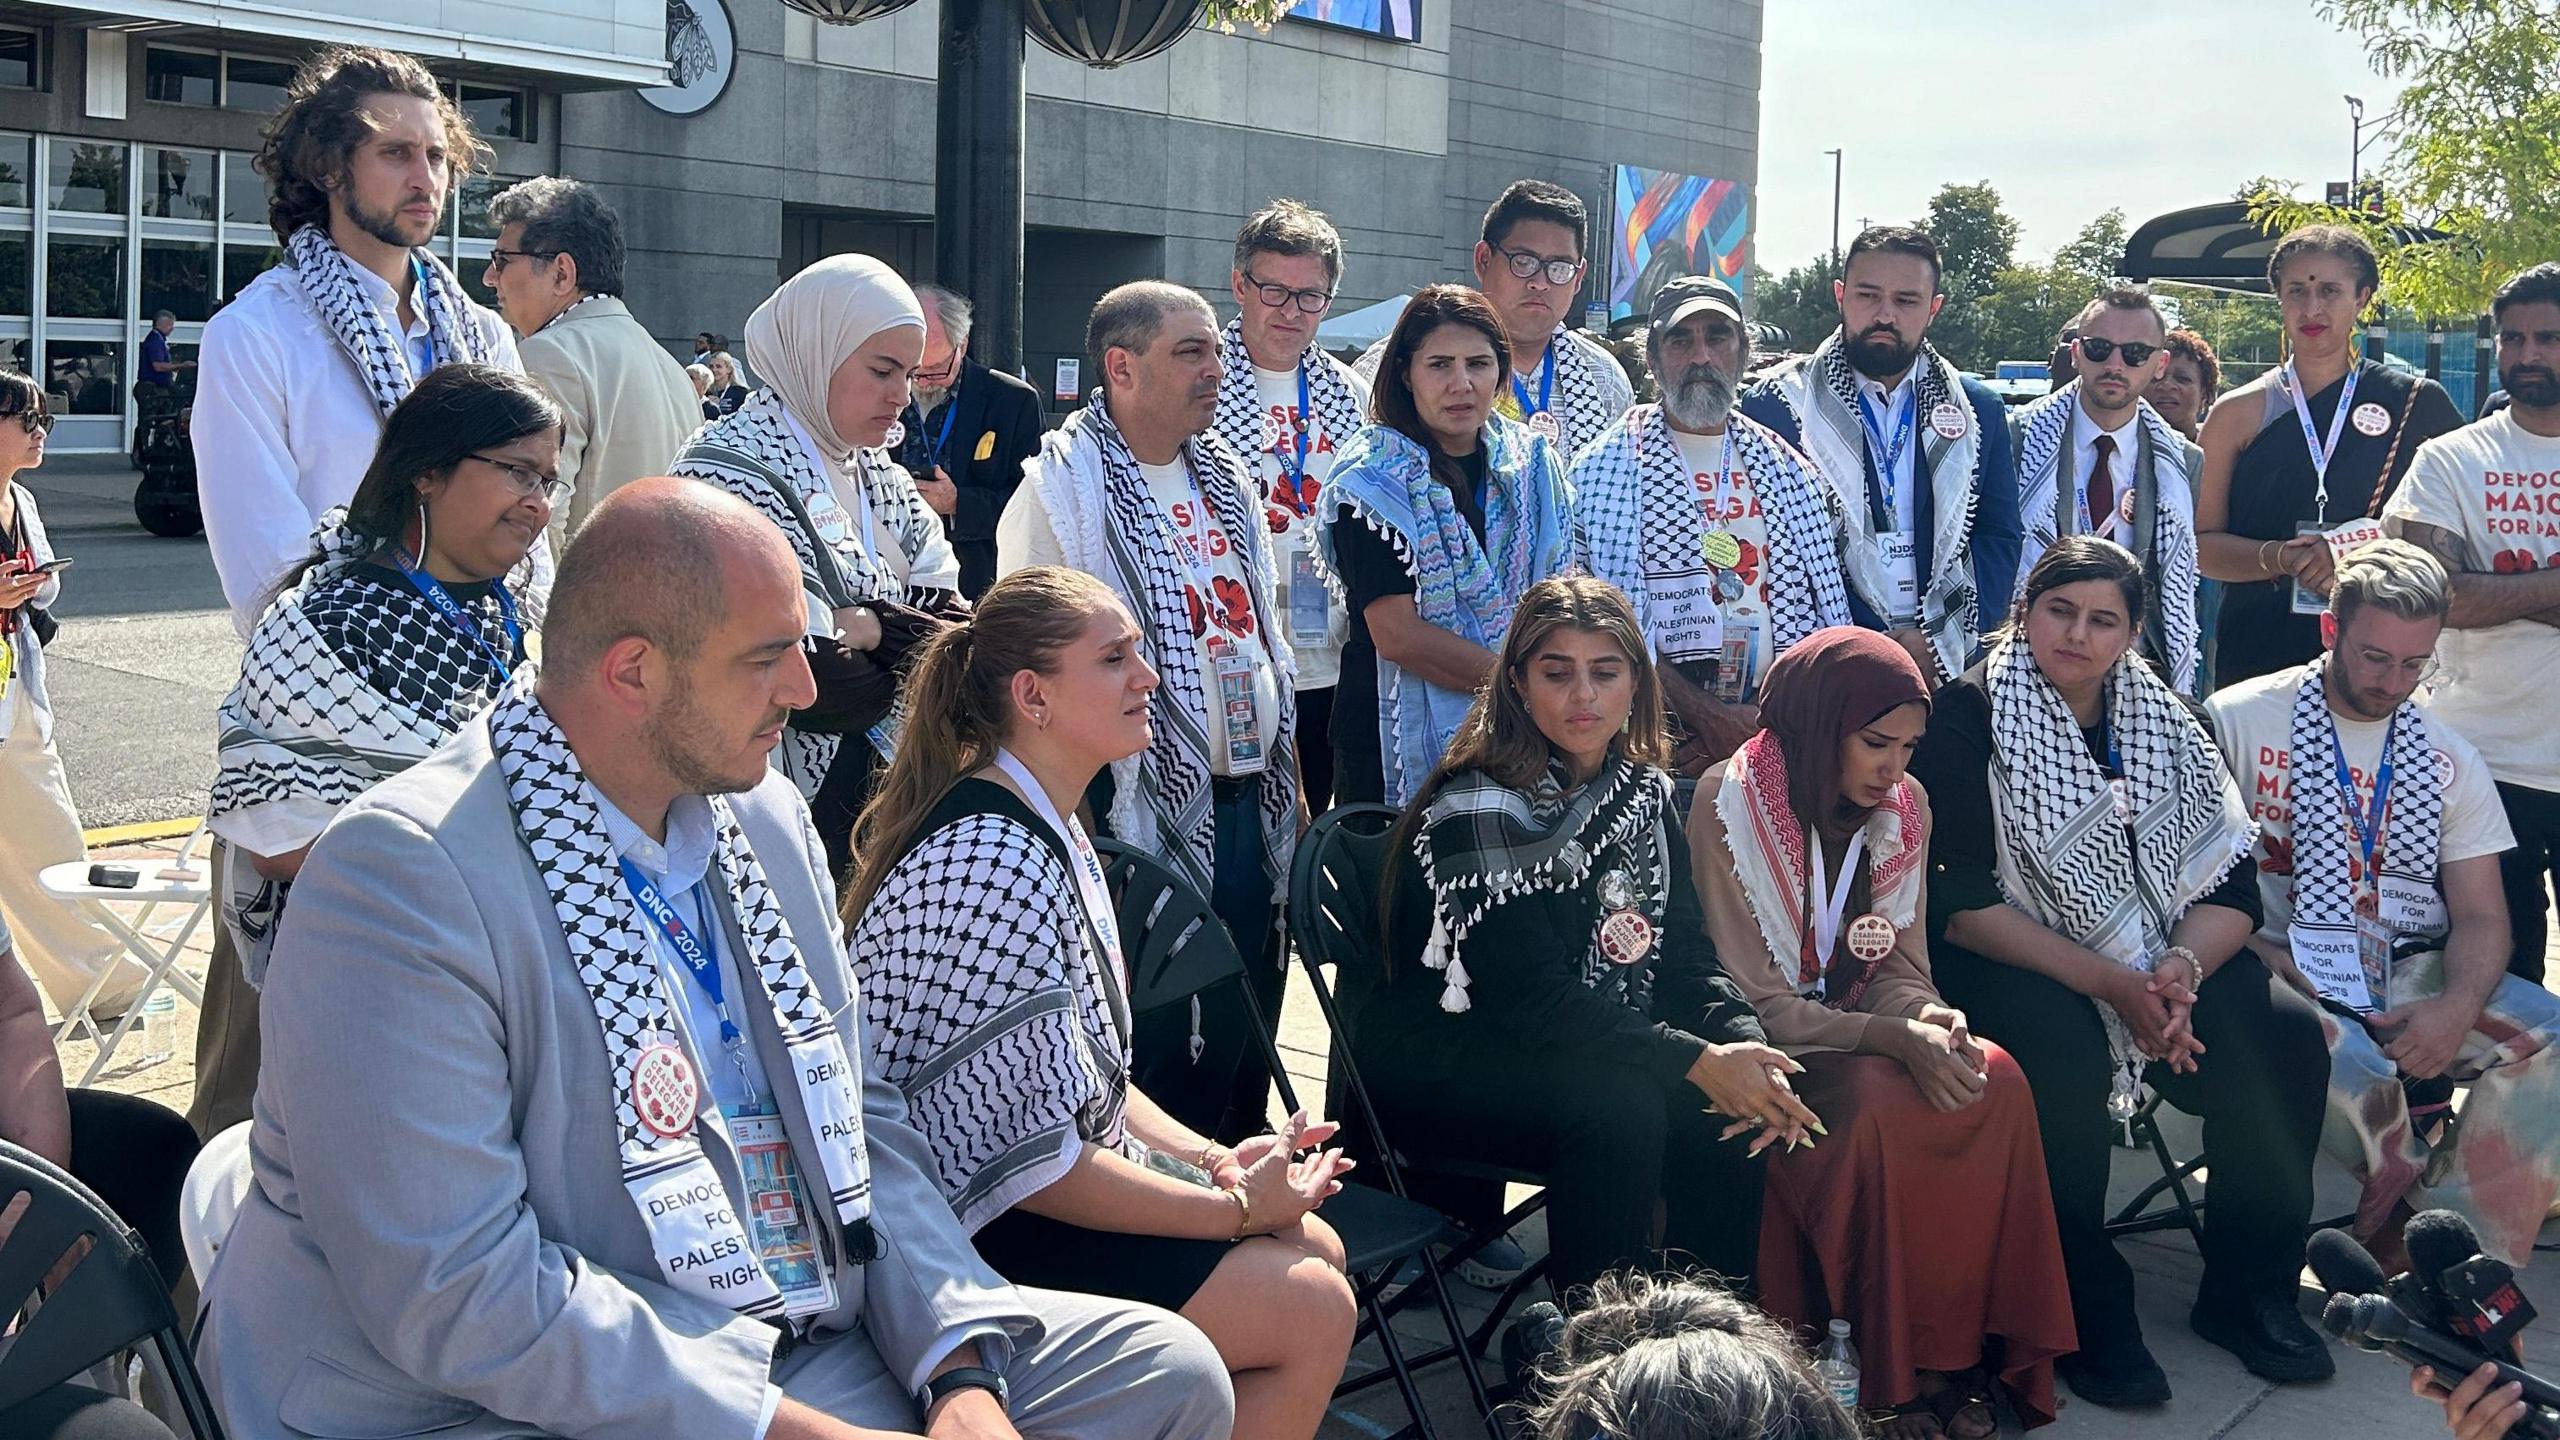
x,y
557,271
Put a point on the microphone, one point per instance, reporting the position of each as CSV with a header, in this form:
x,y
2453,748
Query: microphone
x,y
2371,1322
2475,1296
2344,1266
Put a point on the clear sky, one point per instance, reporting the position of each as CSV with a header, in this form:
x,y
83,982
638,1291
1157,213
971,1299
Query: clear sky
x,y
2066,107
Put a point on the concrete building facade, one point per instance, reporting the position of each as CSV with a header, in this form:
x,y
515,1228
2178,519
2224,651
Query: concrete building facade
x,y
127,126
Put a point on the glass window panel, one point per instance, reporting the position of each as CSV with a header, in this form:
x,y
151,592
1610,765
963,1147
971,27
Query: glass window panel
x,y
497,114
177,276
181,77
472,271
88,178
251,84
21,58
244,192
84,377
178,184
17,170
13,354
244,263
17,251
84,279
473,196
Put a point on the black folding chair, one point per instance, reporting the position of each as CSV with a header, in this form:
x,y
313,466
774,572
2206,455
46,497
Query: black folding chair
x,y
113,1299
2138,1216
1176,949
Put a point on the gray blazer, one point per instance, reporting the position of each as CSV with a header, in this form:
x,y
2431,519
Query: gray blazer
x,y
438,1237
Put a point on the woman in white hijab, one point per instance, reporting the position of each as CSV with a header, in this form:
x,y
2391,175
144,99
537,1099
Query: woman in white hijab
x,y
836,346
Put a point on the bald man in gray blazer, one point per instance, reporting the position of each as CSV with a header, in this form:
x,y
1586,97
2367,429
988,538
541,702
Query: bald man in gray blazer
x,y
494,1072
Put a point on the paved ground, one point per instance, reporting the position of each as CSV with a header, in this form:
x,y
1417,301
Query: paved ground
x,y
147,653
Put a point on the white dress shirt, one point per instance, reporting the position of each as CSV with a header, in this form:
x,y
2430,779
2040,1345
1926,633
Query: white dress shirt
x,y
284,426
2120,470
1886,406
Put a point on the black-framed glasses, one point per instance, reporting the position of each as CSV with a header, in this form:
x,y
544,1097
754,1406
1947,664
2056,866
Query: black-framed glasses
x,y
38,422
1529,265
2136,352
1309,302
527,480
501,259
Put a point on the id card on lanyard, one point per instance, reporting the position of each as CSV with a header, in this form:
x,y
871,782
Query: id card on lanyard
x,y
1309,603
1897,548
1229,686
2307,601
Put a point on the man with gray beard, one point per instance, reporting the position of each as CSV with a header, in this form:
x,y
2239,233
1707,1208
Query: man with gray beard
x,y
1722,534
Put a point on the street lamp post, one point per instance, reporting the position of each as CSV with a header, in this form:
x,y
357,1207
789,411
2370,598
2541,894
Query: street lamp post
x,y
2355,147
1835,210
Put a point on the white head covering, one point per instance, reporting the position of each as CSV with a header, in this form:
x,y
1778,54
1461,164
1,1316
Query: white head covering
x,y
815,322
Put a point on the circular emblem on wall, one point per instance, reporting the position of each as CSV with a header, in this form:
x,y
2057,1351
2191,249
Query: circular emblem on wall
x,y
702,53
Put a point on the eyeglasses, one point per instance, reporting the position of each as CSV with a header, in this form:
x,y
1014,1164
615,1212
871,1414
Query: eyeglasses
x,y
2136,352
1529,264
527,480
38,422
1309,302
501,259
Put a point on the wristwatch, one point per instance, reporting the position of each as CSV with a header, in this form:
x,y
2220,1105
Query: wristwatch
x,y
964,1377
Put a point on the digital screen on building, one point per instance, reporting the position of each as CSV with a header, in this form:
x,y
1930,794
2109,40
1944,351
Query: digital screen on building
x,y
1386,19
1668,225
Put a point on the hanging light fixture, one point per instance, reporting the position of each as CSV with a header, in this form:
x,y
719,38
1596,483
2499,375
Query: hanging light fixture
x,y
848,12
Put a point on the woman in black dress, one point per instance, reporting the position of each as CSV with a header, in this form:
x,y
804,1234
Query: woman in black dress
x,y
2265,483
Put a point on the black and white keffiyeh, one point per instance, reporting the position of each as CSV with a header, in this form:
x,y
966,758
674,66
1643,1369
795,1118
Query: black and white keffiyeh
x,y
1242,421
2045,453
2062,850
1110,526
330,282
1481,843
1591,388
672,1183
2326,869
348,680
1822,390
994,1010
1636,515
759,455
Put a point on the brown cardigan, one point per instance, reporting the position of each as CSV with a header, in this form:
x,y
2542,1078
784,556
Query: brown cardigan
x,y
1900,986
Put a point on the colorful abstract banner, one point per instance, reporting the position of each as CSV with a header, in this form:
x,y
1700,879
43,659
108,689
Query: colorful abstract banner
x,y
1669,225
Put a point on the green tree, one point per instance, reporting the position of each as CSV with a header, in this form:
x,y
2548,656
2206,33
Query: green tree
x,y
1799,302
2480,155
1977,240
2090,259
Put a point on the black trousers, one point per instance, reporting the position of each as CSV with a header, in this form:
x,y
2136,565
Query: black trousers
x,y
1223,1090
2535,862
2260,1088
1610,1142
1315,748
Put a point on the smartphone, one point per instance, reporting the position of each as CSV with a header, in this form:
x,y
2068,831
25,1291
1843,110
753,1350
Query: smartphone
x,y
54,566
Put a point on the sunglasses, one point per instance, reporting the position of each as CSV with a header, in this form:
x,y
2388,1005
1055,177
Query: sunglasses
x,y
2136,352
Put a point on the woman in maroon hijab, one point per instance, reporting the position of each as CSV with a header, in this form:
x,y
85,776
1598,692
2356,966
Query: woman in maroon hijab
x,y
1923,1217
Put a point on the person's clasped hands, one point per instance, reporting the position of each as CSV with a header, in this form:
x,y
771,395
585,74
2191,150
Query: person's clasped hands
x,y
1282,1177
1748,1082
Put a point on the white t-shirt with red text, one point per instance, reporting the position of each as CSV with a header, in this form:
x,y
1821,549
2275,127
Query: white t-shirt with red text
x,y
1290,509
2253,722
2496,486
1224,607
1727,502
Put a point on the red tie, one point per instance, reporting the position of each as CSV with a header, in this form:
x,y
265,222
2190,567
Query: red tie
x,y
2102,489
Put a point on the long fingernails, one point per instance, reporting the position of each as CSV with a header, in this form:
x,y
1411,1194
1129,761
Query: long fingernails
x,y
1816,1127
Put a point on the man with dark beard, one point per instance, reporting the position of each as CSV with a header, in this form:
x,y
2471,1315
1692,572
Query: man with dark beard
x,y
1721,533
2482,501
1918,452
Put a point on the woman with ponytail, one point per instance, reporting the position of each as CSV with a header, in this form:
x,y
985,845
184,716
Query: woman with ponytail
x,y
998,1003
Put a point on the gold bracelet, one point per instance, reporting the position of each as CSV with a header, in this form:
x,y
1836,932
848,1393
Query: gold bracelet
x,y
1244,1210
1201,1160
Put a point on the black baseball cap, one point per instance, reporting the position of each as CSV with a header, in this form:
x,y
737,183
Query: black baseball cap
x,y
1679,299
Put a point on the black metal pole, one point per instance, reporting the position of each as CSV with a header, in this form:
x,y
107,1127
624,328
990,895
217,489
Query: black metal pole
x,y
977,172
1835,214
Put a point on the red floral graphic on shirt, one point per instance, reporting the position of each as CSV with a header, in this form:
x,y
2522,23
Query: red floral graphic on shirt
x,y
1235,606
2513,562
2279,859
1748,567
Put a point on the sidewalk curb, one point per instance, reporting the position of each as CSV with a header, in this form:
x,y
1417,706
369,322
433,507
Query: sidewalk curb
x,y
144,830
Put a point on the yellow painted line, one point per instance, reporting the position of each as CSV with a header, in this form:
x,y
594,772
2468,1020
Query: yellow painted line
x,y
147,830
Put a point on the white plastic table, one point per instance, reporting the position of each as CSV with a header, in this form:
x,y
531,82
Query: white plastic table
x,y
158,960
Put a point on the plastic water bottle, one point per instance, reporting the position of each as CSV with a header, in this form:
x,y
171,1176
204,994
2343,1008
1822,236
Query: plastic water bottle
x,y
1837,1363
159,1029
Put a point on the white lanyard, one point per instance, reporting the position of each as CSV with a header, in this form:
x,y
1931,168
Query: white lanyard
x,y
858,518
1090,886
1831,900
1724,483
2320,451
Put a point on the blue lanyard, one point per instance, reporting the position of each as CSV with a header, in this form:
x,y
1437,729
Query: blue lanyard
x,y
418,267
950,413
1546,384
451,609
1298,476
697,958
2367,823
1888,454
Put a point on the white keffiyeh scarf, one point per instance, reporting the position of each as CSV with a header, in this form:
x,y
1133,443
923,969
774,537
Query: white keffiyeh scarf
x,y
1110,526
760,456
1482,843
1822,390
995,1010
1244,423
2065,859
2326,868
1768,843
331,284
1636,515
2045,450
346,683
674,1186
1590,392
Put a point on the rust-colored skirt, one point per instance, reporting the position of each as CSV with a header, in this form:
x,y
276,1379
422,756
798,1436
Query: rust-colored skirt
x,y
1932,1234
